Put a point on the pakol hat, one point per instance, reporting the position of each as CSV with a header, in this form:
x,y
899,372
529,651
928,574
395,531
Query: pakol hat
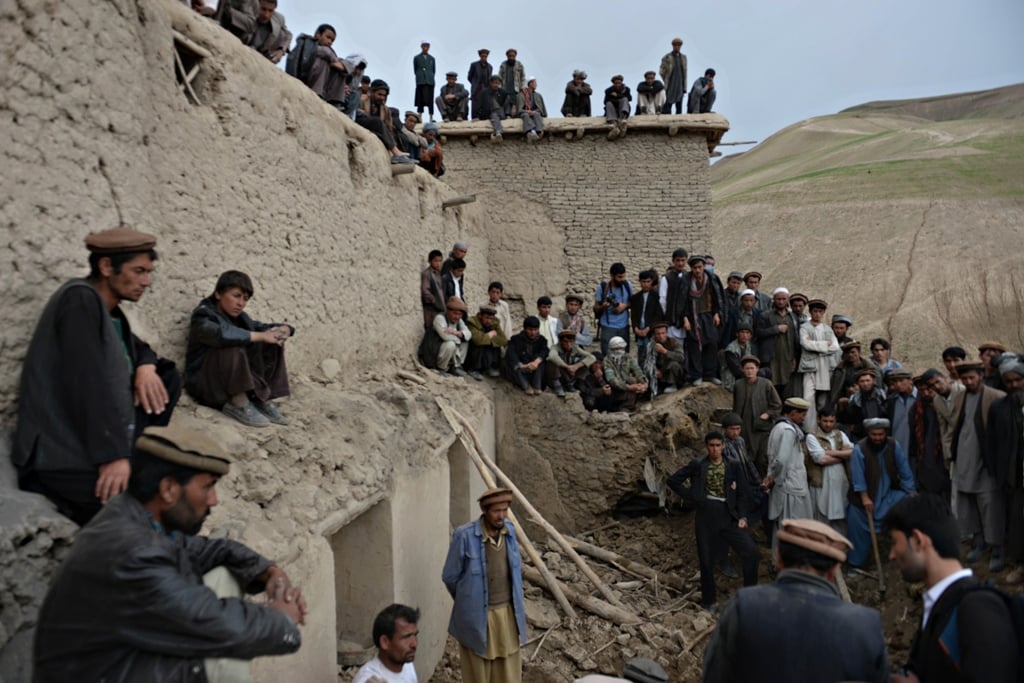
x,y
574,297
866,371
488,310
185,447
817,304
737,275
453,73
837,318
567,334
659,325
731,420
750,358
798,297
380,84
120,240
455,304
815,536
846,346
992,346
696,258
751,274
413,114
898,373
493,496
797,403
970,366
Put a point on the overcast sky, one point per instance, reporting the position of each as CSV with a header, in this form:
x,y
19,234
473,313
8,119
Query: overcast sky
x,y
778,61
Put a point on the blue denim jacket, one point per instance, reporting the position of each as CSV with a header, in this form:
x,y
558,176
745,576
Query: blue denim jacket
x,y
465,577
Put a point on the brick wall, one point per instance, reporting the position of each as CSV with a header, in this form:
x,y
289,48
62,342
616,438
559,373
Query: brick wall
x,y
633,200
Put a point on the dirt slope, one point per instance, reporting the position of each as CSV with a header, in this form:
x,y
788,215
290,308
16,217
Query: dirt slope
x,y
911,225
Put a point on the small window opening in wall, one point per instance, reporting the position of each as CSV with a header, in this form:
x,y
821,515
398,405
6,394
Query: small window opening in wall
x,y
188,61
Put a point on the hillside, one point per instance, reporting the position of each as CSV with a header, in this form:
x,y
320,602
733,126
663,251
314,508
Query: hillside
x,y
907,215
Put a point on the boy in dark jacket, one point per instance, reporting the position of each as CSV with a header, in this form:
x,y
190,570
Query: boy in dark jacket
x,y
233,362
718,489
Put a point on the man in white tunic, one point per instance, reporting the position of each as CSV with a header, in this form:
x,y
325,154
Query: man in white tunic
x,y
829,450
819,350
790,497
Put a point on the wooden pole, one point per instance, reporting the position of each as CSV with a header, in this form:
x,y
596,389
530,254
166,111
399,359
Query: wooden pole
x,y
532,511
524,540
593,605
627,564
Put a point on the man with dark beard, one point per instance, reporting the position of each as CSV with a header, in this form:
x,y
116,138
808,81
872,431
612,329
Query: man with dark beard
x,y
1005,441
129,602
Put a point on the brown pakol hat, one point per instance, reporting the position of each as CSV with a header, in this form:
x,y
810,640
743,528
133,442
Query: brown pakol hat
x,y
991,346
493,496
455,304
971,366
119,241
816,536
567,334
750,358
185,447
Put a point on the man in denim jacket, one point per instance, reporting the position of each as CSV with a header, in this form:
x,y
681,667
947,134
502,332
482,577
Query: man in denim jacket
x,y
483,574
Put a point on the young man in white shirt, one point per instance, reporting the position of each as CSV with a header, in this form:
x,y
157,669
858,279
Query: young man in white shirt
x,y
395,634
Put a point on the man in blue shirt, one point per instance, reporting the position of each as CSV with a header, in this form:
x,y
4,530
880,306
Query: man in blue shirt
x,y
483,574
611,306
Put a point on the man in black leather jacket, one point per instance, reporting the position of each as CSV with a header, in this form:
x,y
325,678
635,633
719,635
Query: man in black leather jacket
x,y
129,603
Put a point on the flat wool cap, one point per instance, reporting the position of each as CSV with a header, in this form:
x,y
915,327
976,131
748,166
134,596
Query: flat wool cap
x,y
992,346
567,334
574,297
850,345
185,447
749,358
119,241
455,304
735,275
731,420
898,373
751,274
797,297
971,366
817,304
493,496
488,310
837,318
659,325
797,403
815,536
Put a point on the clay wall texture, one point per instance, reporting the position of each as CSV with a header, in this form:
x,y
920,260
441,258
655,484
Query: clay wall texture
x,y
262,177
589,202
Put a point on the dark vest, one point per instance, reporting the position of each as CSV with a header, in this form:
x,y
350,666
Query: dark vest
x,y
873,473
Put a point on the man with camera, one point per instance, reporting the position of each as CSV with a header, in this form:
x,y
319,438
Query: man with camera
x,y
611,306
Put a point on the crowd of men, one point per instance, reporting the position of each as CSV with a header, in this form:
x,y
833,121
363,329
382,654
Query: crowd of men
x,y
494,94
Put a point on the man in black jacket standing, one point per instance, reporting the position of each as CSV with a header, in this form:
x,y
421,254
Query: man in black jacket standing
x,y
966,633
89,386
718,488
129,603
798,628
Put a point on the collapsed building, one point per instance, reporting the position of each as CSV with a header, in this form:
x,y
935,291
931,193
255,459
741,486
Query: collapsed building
x,y
166,123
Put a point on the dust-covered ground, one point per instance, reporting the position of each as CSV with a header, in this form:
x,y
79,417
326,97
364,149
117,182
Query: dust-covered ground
x,y
674,629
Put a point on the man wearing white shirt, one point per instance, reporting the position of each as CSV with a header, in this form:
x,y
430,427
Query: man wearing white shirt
x,y
550,326
395,634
